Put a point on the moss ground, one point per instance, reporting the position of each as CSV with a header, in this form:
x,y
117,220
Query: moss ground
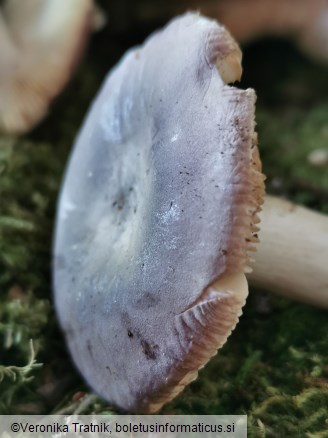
x,y
275,365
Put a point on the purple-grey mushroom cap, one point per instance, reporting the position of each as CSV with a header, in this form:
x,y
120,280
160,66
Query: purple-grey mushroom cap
x,y
156,216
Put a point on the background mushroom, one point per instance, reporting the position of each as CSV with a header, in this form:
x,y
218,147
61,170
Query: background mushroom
x,y
156,216
304,21
40,44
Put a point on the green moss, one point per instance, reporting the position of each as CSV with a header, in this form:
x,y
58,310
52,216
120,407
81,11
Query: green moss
x,y
287,141
19,378
274,366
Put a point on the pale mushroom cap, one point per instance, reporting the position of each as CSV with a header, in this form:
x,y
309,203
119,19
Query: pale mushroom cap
x,y
40,43
156,217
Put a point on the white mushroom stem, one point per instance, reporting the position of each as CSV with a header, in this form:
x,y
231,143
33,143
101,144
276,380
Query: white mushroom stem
x,y
292,257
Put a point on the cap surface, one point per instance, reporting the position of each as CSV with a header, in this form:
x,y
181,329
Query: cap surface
x,y
156,217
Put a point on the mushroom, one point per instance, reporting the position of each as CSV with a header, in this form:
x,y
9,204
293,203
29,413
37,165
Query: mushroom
x,y
293,253
156,216
40,44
